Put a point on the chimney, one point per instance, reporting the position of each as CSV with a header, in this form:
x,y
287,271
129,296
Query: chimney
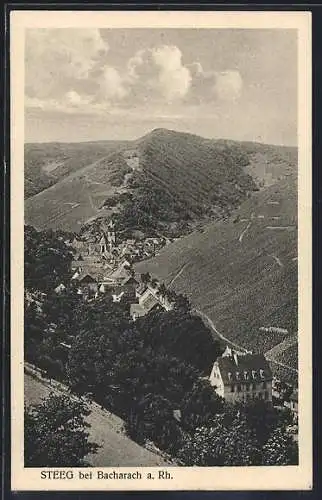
x,y
236,358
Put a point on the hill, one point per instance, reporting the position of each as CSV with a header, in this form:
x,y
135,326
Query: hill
x,y
46,164
164,182
241,273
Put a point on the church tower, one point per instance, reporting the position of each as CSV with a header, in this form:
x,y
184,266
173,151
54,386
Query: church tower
x,y
111,238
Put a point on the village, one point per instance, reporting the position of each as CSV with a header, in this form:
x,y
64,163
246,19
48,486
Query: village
x,y
105,267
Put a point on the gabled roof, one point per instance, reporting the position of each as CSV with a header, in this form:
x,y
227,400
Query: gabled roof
x,y
121,275
87,278
94,272
148,302
249,368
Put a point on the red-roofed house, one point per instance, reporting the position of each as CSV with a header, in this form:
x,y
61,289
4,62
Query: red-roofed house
x,y
241,377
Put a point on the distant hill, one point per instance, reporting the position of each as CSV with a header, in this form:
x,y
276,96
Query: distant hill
x,y
242,273
165,181
46,164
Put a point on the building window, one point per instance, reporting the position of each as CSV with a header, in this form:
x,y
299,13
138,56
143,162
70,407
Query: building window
x,y
260,395
238,388
232,388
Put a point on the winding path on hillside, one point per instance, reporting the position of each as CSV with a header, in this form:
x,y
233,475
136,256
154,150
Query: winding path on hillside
x,y
279,262
240,239
182,268
210,323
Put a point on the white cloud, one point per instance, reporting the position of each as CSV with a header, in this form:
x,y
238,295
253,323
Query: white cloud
x,y
210,86
68,70
159,72
74,99
55,57
112,85
228,86
71,102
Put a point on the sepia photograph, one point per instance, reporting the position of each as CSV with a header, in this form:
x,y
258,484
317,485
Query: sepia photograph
x,y
161,302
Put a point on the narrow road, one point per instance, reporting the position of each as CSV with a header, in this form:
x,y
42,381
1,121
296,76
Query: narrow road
x,y
182,268
240,239
210,323
279,262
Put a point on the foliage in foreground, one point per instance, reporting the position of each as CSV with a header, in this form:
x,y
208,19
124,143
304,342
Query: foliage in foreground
x,y
56,433
147,372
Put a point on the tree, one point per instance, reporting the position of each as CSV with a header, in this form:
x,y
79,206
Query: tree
x,y
220,444
47,259
182,303
63,310
145,278
153,419
34,327
261,417
163,292
280,449
181,335
200,405
55,433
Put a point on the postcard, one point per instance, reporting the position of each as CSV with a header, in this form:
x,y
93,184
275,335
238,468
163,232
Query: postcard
x,y
161,250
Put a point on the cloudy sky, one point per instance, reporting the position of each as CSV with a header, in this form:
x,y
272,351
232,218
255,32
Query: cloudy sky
x,y
92,84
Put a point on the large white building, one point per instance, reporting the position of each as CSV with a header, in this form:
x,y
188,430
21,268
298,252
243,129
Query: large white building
x,y
239,377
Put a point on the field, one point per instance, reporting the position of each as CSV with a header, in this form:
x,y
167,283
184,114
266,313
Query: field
x,y
106,429
242,273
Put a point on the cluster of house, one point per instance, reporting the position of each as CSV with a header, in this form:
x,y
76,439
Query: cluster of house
x,y
112,247
103,267
240,377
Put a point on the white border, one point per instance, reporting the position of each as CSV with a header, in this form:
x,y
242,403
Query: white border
x,y
185,478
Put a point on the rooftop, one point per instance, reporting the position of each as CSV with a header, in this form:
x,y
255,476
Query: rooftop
x,y
244,368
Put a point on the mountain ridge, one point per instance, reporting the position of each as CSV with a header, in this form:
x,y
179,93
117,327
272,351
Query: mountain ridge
x,y
183,169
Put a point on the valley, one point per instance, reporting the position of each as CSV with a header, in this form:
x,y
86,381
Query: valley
x,y
229,208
